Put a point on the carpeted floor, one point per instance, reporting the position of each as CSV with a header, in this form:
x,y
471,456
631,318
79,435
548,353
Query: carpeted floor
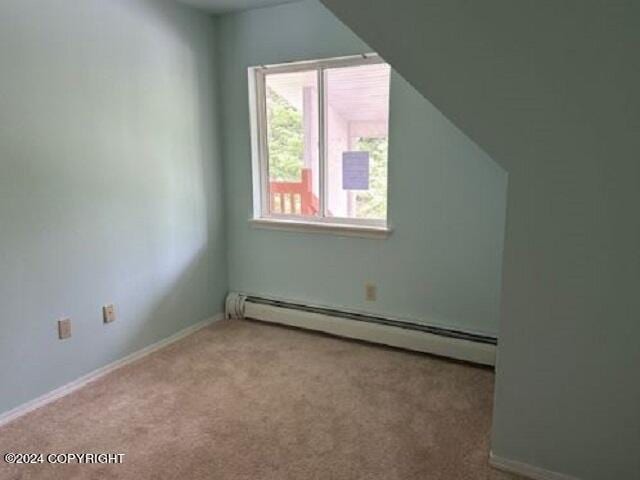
x,y
245,400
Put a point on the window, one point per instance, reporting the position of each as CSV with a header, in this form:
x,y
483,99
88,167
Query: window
x,y
320,142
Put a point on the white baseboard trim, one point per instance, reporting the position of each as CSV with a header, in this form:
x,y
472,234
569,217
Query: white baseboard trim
x,y
526,470
78,383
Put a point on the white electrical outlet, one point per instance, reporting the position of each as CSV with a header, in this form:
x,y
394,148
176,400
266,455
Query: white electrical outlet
x,y
64,328
109,313
371,292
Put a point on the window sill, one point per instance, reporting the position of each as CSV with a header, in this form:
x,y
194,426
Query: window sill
x,y
347,230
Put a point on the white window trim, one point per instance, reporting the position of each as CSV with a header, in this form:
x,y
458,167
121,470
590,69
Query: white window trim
x,y
302,224
370,228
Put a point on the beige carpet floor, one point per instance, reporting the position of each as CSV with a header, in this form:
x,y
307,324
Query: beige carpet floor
x,y
245,400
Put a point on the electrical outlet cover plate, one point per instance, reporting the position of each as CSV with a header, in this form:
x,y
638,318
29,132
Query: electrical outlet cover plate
x,y
64,328
370,292
108,313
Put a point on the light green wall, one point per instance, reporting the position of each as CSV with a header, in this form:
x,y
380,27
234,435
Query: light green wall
x,y
110,183
447,197
550,90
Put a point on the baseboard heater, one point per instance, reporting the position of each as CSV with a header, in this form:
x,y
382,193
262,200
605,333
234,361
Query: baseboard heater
x,y
409,335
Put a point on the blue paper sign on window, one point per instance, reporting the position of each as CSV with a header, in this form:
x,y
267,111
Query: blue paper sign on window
x,y
355,171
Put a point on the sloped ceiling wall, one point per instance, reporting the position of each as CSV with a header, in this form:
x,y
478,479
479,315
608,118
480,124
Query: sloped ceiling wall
x,y
551,91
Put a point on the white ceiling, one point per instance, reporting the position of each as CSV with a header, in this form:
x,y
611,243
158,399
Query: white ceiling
x,y
356,94
226,6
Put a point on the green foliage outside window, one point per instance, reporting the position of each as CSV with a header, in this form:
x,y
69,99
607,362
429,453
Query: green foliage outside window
x,y
286,139
373,202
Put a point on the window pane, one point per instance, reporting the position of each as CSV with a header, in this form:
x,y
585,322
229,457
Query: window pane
x,y
292,141
357,119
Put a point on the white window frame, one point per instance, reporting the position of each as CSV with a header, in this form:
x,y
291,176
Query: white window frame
x,y
262,217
